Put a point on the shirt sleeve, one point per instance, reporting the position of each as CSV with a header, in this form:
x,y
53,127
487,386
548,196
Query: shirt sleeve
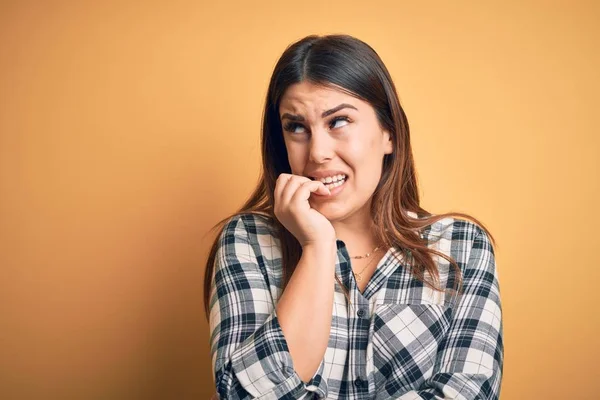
x,y
470,360
250,355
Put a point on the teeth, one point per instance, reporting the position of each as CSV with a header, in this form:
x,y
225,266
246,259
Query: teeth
x,y
338,183
333,179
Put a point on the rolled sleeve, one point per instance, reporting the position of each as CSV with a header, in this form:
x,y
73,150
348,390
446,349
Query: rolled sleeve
x,y
251,358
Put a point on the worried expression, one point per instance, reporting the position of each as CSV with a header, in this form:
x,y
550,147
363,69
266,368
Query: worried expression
x,y
336,138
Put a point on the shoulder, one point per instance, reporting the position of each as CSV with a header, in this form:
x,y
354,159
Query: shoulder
x,y
249,248
468,244
242,230
473,250
455,229
248,225
457,237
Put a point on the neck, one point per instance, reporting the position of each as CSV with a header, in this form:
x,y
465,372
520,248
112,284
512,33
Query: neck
x,y
357,232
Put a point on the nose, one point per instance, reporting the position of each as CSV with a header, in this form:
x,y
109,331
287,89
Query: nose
x,y
321,148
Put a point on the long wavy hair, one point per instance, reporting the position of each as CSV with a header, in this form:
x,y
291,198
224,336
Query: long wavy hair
x,y
348,64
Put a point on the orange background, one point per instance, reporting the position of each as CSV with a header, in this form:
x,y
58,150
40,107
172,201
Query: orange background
x,y
127,129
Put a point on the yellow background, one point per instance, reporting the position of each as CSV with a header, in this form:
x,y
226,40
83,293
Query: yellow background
x,y
129,128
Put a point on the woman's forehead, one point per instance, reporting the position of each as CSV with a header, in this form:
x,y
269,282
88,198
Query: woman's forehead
x,y
306,96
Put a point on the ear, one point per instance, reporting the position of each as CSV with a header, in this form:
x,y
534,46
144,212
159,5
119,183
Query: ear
x,y
388,144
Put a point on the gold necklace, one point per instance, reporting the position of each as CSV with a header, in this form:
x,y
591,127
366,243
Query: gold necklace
x,y
358,275
366,255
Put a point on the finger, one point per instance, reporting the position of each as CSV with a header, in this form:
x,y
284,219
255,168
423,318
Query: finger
x,y
292,187
282,181
322,189
304,191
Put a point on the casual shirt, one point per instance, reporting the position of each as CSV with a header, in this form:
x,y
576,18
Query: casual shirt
x,y
398,339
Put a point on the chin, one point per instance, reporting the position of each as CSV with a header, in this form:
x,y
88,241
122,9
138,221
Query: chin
x,y
333,212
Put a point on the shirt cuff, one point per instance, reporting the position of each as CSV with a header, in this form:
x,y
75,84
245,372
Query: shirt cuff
x,y
264,367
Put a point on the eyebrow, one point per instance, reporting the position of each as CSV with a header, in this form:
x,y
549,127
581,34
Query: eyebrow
x,y
325,113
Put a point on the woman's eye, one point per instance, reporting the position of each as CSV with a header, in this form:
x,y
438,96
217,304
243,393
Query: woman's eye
x,y
291,127
339,119
296,128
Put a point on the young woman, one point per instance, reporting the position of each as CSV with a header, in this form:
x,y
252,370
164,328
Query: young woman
x,y
331,281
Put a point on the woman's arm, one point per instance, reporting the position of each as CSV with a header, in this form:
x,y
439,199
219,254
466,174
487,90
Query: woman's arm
x,y
306,306
251,355
470,360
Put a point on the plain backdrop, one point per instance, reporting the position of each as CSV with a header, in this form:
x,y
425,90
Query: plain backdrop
x,y
128,128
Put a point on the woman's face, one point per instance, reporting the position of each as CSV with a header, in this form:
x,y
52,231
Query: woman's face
x,y
334,137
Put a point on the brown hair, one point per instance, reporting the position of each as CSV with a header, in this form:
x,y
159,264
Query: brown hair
x,y
348,64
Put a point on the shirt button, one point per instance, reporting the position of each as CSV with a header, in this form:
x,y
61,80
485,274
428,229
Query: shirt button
x,y
360,312
359,382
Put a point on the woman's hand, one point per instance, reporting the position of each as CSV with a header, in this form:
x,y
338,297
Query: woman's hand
x,y
294,212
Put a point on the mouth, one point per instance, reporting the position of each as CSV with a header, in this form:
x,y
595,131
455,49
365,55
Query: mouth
x,y
333,182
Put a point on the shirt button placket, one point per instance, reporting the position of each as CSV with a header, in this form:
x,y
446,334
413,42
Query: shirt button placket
x,y
361,325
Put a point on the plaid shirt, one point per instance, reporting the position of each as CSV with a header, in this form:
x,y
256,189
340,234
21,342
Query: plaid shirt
x,y
396,340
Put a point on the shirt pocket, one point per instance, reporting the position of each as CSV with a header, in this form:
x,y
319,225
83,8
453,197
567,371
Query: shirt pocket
x,y
405,339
